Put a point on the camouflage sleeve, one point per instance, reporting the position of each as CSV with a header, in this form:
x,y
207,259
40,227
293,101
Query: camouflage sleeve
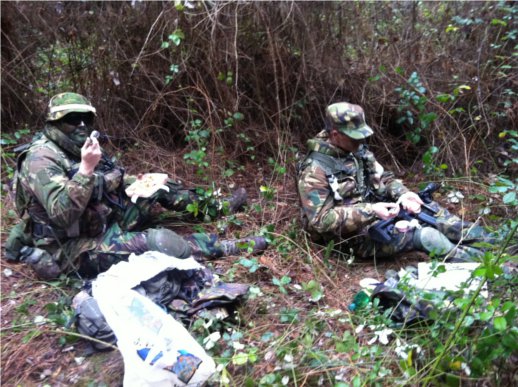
x,y
395,187
384,182
64,199
322,213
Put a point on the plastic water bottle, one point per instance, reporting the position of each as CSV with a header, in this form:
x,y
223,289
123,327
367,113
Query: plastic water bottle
x,y
360,301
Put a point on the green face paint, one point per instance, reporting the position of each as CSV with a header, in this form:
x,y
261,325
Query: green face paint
x,y
77,133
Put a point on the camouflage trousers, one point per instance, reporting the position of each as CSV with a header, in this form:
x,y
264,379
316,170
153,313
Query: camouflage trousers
x,y
128,234
452,239
98,254
177,199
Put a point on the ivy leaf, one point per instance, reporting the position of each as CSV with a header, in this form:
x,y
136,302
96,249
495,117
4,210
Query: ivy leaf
x,y
509,198
193,209
238,116
485,316
500,323
443,98
239,358
399,70
314,289
498,22
176,37
451,28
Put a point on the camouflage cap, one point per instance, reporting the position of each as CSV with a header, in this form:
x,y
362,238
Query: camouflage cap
x,y
349,119
62,104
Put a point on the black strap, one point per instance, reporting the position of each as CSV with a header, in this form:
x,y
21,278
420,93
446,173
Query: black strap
x,y
40,231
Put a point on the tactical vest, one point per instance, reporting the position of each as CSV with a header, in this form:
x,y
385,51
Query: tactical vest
x,y
106,195
339,171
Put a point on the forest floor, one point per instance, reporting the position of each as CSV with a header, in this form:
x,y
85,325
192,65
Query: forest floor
x,y
34,351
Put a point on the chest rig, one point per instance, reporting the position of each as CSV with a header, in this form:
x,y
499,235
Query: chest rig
x,y
349,176
107,194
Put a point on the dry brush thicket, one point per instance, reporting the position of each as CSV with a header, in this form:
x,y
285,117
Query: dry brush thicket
x,y
278,63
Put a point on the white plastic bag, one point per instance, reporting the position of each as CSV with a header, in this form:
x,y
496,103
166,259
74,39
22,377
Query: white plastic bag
x,y
157,350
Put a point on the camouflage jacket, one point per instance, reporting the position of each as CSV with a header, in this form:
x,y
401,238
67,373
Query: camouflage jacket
x,y
52,193
337,188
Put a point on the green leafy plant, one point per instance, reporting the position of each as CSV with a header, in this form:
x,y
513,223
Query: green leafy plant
x,y
173,40
282,283
314,289
208,205
268,192
227,77
251,264
58,60
503,185
412,104
8,141
198,137
429,165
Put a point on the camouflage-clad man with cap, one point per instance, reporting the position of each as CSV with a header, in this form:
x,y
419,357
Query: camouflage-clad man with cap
x,y
75,214
343,191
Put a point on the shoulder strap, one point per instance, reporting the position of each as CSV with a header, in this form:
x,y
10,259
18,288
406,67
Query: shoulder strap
x,y
329,164
21,200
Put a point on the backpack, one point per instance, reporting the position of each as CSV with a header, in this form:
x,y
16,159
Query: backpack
x,y
20,234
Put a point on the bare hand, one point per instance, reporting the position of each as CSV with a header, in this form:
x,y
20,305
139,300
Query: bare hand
x,y
411,202
90,156
385,210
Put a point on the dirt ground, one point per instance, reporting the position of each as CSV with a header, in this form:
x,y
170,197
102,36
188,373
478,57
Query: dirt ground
x,y
38,355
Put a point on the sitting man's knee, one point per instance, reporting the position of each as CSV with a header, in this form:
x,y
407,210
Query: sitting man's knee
x,y
431,240
168,242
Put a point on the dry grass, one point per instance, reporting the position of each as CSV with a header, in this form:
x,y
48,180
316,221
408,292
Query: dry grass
x,y
288,60
44,360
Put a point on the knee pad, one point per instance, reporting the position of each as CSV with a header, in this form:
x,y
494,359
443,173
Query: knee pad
x,y
432,241
168,242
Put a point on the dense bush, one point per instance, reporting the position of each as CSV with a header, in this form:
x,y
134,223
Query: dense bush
x,y
432,76
232,89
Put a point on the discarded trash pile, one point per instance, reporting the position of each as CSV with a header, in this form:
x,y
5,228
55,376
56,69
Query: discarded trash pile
x,y
129,304
413,293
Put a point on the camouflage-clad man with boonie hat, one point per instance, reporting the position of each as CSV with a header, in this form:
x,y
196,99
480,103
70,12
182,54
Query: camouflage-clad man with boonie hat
x,y
75,214
343,191
349,119
64,103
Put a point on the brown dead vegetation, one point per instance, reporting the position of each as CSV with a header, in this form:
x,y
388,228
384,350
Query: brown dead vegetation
x,y
278,63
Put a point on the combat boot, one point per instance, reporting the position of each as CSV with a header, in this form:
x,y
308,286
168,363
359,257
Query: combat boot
x,y
237,200
254,245
41,261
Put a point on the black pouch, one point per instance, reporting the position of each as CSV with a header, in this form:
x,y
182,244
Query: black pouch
x,y
90,321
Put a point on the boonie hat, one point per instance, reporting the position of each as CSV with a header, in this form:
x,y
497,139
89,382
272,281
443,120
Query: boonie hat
x,y
62,104
349,119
